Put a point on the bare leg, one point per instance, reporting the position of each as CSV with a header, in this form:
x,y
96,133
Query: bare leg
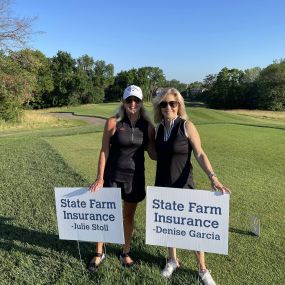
x,y
204,273
128,215
172,253
200,256
99,249
172,264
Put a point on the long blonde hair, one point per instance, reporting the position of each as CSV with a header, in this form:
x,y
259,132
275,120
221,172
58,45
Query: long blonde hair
x,y
121,113
160,95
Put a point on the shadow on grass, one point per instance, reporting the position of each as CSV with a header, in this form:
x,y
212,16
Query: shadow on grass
x,y
195,104
31,239
10,234
241,232
138,255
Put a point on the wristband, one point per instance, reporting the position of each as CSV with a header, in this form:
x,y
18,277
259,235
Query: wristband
x,y
212,174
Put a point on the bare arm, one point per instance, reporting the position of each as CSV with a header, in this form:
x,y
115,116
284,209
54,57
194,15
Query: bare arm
x,y
109,130
202,158
151,148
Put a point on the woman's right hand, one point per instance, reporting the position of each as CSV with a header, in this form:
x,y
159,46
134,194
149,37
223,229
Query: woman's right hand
x,y
98,184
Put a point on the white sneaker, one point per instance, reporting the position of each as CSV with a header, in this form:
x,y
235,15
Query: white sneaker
x,y
169,268
206,277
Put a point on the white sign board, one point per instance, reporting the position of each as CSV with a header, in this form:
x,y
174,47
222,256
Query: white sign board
x,y
86,216
189,219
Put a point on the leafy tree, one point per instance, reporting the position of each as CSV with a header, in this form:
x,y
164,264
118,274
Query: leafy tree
x,y
251,75
250,97
194,90
92,79
122,79
103,77
271,87
63,68
181,87
86,63
149,79
83,86
15,88
37,65
14,82
209,81
226,90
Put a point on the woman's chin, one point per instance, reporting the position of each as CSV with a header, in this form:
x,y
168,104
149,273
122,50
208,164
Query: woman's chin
x,y
132,111
169,117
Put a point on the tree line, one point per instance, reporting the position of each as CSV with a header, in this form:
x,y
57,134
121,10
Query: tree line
x,y
29,79
253,88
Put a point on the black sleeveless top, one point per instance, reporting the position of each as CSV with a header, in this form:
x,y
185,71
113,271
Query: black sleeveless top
x,y
174,168
126,155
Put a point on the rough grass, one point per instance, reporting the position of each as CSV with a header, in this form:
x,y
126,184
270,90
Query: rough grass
x,y
261,114
249,159
37,120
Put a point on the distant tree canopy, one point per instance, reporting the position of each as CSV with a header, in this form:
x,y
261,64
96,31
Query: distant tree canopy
x,y
29,79
148,78
253,88
271,87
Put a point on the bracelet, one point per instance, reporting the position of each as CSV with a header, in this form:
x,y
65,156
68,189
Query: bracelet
x,y
212,174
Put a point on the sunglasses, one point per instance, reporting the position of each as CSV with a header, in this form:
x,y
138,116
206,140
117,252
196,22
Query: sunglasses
x,y
131,99
172,104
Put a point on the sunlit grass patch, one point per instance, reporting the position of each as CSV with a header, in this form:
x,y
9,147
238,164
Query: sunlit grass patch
x,y
38,119
261,114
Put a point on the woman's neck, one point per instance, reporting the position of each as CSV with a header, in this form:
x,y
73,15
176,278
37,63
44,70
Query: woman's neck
x,y
167,122
133,118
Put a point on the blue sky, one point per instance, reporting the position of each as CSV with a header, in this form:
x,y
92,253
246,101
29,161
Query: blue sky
x,y
187,39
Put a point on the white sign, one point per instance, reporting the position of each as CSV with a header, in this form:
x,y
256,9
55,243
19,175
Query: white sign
x,y
86,216
189,219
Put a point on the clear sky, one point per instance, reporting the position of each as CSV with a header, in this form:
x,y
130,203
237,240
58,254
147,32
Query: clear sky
x,y
187,39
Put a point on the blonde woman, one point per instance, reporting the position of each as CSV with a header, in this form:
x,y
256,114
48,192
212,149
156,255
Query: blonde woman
x,y
176,138
121,163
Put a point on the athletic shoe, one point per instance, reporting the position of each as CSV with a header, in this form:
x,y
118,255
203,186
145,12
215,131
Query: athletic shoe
x,y
206,277
169,268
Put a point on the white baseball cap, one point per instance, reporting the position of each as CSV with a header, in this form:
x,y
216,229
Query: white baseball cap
x,y
133,90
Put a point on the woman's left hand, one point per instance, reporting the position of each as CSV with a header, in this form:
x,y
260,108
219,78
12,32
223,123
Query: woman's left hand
x,y
218,186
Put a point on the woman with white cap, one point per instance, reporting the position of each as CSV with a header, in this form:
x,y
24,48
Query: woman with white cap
x,y
121,163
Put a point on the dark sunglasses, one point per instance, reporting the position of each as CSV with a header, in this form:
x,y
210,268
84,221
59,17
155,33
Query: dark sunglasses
x,y
131,99
172,104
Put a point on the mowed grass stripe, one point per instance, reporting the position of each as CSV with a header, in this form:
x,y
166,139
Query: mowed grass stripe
x,y
30,250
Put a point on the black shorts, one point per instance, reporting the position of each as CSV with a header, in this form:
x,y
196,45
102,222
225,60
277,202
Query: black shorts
x,y
132,192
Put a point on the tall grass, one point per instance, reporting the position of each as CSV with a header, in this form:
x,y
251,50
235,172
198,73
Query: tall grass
x,y
32,120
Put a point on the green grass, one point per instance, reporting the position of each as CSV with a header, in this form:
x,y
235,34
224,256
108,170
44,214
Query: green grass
x,y
197,114
247,158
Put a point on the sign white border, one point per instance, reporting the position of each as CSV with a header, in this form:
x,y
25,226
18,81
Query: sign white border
x,y
90,216
188,219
